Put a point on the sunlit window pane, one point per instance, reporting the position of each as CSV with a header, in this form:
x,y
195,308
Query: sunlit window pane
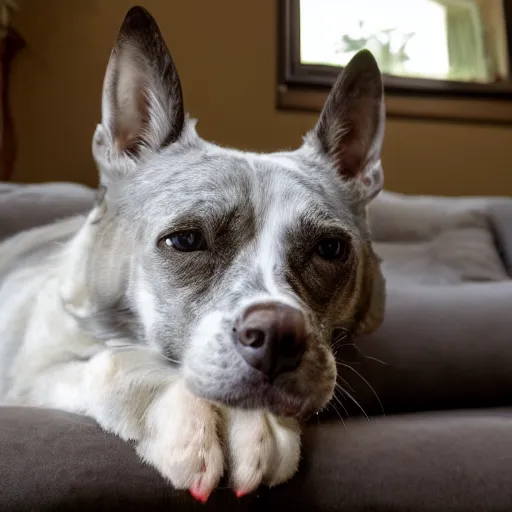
x,y
438,39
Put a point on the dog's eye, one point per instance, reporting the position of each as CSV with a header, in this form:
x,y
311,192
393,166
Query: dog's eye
x,y
332,249
186,241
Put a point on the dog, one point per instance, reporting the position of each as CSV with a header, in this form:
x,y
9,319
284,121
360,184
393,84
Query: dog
x,y
192,311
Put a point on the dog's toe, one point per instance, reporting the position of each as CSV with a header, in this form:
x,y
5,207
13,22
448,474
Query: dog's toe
x,y
262,449
286,455
183,444
250,445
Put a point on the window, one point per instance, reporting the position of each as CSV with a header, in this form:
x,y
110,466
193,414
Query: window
x,y
432,53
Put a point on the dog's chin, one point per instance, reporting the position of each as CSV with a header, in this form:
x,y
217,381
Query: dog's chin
x,y
263,395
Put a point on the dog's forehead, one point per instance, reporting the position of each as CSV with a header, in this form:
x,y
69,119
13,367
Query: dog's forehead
x,y
176,182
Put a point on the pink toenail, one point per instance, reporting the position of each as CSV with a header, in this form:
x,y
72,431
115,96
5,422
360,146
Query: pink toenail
x,y
198,496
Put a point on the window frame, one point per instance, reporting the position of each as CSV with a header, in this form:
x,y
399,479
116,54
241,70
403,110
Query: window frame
x,y
301,86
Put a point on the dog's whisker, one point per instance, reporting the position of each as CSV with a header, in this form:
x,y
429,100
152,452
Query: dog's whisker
x,y
337,343
337,398
336,346
345,382
359,406
368,357
367,383
375,359
339,387
338,413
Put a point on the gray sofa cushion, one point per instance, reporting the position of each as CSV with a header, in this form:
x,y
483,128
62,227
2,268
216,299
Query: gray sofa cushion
x,y
436,240
457,462
28,206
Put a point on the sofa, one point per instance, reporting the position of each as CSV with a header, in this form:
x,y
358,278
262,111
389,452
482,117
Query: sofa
x,y
430,424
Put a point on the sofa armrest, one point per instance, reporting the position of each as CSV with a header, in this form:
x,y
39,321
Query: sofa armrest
x,y
457,461
439,347
500,215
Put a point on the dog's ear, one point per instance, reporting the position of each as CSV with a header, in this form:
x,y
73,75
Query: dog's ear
x,y
351,126
142,104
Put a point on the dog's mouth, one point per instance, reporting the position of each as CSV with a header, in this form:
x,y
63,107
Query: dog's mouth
x,y
273,400
259,393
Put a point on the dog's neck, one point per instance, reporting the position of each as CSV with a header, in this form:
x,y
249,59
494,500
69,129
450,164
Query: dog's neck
x,y
103,312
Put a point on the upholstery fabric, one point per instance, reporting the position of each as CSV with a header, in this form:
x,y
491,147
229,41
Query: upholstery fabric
x,y
457,461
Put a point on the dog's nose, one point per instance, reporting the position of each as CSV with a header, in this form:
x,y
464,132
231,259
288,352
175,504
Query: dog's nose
x,y
271,337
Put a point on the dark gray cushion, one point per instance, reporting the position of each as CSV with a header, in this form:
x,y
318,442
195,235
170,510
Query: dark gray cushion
x,y
439,347
51,460
501,220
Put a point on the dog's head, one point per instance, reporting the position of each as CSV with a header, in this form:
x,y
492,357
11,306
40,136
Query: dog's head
x,y
240,267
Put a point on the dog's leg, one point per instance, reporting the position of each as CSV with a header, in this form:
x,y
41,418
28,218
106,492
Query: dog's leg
x,y
262,448
135,394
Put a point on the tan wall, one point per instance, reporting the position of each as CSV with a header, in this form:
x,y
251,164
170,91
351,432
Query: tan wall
x,y
225,51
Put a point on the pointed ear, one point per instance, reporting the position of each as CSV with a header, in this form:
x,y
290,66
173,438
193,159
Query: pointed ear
x,y
350,130
142,104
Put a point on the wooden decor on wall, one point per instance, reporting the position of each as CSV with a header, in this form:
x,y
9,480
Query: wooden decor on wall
x,y
10,43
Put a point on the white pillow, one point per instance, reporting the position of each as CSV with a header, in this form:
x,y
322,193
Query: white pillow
x,y
434,241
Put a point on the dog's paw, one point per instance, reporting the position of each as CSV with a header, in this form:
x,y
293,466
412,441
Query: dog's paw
x,y
182,442
262,448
